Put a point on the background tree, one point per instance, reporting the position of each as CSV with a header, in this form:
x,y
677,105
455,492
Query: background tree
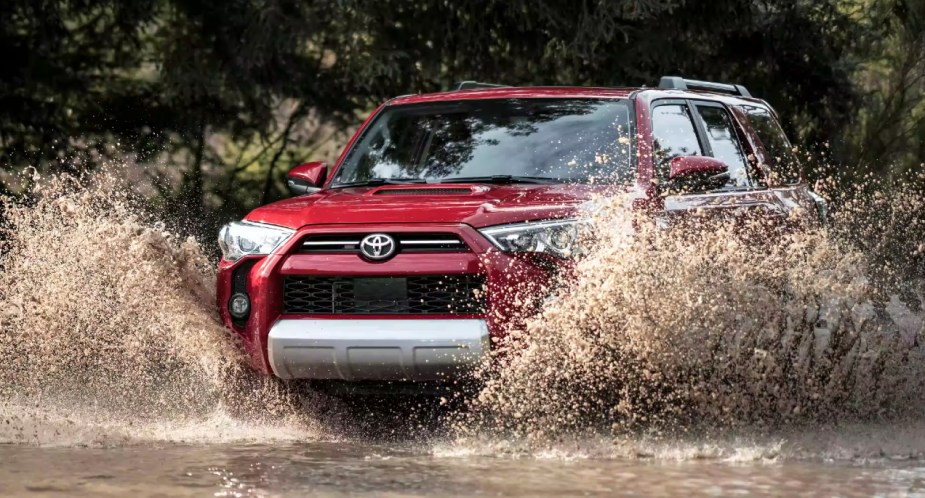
x,y
887,134
215,100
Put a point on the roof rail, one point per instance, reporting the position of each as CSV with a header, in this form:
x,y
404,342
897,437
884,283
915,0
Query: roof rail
x,y
679,83
472,85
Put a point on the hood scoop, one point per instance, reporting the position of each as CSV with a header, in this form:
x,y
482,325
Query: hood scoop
x,y
423,191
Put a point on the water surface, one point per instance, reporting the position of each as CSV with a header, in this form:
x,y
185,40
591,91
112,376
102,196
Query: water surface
x,y
359,469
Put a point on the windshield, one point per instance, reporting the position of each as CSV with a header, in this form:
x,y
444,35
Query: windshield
x,y
574,140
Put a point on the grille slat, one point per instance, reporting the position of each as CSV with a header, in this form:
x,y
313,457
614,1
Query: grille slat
x,y
413,295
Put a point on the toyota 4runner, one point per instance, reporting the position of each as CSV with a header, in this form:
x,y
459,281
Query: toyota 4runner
x,y
403,261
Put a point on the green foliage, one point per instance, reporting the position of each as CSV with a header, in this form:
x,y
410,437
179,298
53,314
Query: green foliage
x,y
230,93
91,80
887,135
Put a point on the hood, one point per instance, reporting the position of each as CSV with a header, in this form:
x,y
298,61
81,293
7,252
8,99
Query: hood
x,y
476,205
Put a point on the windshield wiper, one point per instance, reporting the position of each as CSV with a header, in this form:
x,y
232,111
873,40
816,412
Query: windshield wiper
x,y
501,179
372,182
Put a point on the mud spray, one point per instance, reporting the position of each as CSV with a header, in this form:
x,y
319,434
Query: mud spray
x,y
108,331
108,334
678,343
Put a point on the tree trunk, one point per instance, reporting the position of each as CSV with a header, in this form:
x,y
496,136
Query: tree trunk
x,y
193,192
268,182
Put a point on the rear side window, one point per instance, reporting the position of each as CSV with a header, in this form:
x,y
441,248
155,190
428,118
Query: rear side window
x,y
674,135
724,143
783,160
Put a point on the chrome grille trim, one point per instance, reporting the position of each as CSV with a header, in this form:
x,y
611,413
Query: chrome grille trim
x,y
331,243
428,242
407,241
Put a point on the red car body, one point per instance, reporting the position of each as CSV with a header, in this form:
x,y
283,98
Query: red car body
x,y
461,211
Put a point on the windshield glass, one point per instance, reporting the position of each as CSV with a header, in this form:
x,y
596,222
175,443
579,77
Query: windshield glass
x,y
574,140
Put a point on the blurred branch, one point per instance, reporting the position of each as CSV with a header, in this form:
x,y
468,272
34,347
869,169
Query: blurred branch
x,y
284,136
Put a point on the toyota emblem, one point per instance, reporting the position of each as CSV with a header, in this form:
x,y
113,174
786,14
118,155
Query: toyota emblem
x,y
378,246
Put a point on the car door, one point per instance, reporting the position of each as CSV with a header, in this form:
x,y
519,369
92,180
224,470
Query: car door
x,y
706,127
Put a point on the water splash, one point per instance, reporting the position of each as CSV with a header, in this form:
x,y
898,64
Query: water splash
x,y
701,343
108,330
717,325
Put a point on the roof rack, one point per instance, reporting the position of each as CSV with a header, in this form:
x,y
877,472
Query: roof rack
x,y
679,83
472,85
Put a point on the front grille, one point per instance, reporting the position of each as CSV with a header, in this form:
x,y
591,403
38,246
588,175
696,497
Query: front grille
x,y
407,242
413,295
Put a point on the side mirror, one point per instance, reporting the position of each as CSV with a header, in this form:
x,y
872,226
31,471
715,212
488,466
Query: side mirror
x,y
307,178
697,173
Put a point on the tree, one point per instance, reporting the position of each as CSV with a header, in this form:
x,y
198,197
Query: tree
x,y
887,135
95,78
166,80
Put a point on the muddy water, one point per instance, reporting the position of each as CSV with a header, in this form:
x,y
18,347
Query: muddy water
x,y
355,468
672,366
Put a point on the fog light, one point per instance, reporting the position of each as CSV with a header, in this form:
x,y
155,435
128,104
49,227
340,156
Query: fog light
x,y
239,306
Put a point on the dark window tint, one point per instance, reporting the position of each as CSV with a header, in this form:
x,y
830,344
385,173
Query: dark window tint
x,y
784,162
674,135
566,139
725,143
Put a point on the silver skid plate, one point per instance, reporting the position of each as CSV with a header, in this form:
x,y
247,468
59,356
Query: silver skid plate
x,y
374,349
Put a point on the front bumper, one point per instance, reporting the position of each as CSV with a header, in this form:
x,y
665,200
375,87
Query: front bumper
x,y
376,349
298,339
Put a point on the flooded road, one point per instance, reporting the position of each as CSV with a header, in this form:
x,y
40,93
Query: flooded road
x,y
360,469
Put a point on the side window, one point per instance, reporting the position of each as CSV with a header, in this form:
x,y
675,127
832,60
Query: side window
x,y
674,135
783,161
724,142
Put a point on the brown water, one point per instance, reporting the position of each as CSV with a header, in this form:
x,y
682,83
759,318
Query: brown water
x,y
361,468
792,370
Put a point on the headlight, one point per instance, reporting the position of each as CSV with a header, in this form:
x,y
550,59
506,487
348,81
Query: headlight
x,y
242,238
558,237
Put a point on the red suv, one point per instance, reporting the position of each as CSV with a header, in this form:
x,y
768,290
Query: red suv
x,y
405,260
